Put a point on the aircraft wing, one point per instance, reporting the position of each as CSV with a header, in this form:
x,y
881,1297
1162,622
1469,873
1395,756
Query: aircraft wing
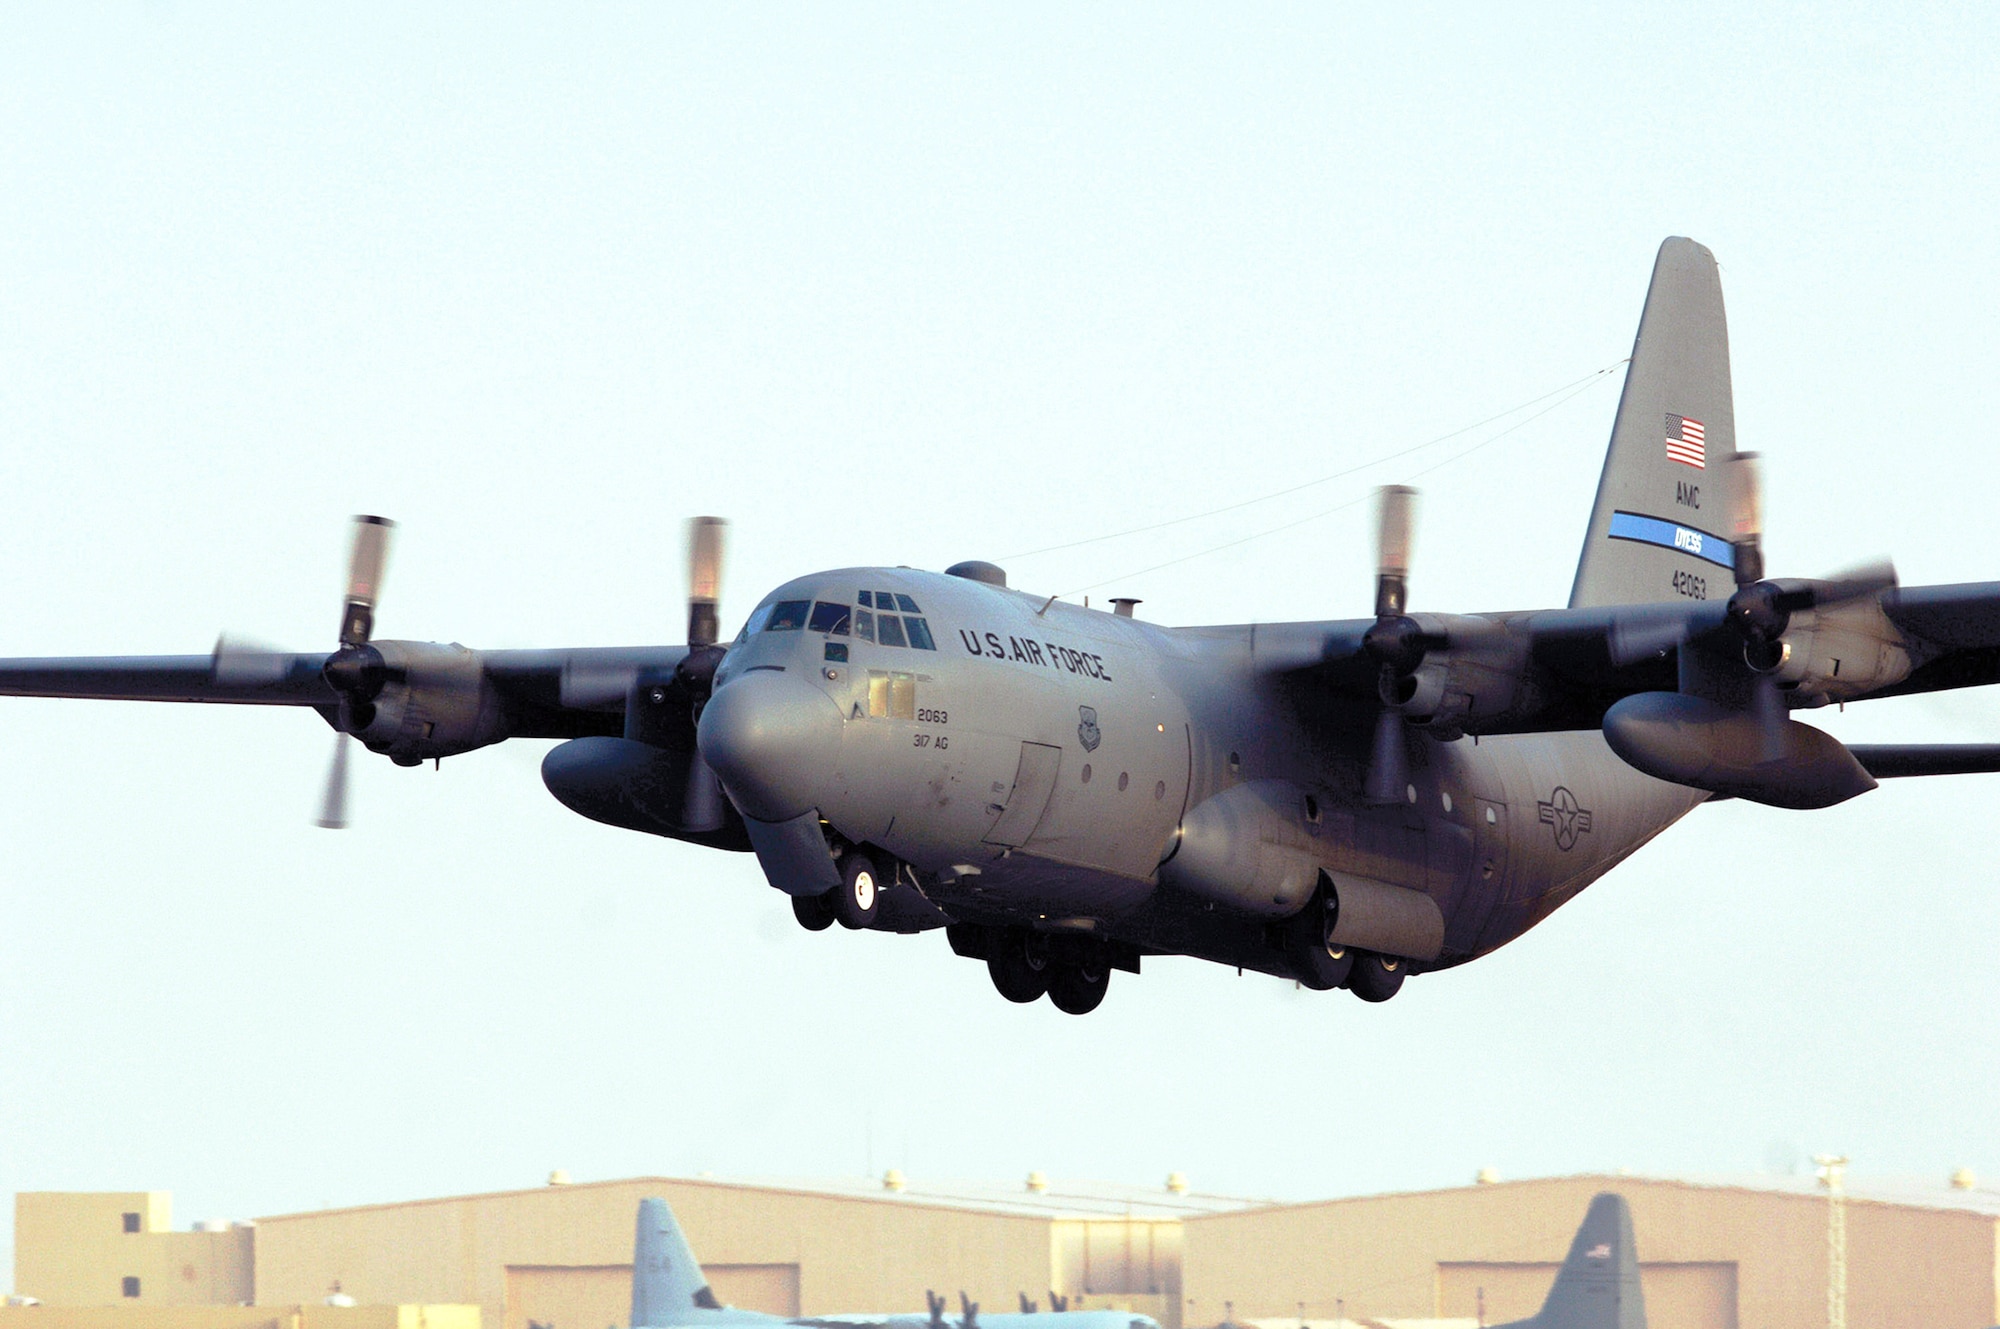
x,y
1550,670
275,680
540,693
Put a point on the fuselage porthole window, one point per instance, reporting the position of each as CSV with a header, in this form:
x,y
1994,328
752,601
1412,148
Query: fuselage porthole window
x,y
889,630
829,617
864,624
788,615
920,634
906,604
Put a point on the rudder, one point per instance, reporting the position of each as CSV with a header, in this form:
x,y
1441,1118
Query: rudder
x,y
667,1282
1661,526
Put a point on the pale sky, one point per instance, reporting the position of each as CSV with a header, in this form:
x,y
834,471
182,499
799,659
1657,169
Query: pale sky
x,y
912,285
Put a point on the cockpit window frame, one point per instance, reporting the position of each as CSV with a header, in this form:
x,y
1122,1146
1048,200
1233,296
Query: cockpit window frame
x,y
788,615
829,617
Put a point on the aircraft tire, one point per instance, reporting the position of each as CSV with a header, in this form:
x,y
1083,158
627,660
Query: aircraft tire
x,y
1020,967
1077,987
858,897
1377,977
1316,961
814,912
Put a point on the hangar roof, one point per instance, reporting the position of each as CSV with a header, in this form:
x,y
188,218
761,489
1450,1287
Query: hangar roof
x,y
1061,1198
1910,1192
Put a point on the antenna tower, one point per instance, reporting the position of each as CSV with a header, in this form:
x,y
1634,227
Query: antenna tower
x,y
1833,1175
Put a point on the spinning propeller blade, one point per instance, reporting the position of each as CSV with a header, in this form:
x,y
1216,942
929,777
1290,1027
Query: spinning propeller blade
x,y
356,671
333,803
1396,642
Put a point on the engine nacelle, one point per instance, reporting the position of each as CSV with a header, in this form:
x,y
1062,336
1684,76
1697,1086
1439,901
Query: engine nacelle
x,y
435,702
1248,849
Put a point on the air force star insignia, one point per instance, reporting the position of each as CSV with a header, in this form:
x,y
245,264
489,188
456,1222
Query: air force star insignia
x,y
1087,732
1561,812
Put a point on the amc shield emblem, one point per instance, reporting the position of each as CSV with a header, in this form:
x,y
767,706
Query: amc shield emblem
x,y
1087,732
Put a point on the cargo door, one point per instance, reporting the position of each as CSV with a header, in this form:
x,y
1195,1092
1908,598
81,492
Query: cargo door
x,y
1028,800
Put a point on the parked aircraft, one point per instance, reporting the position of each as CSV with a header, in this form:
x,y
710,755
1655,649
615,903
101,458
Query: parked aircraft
x,y
1598,1285
1065,791
669,1291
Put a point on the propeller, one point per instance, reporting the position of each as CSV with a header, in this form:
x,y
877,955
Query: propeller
x,y
1395,641
665,711
1759,611
356,671
970,1319
1028,1307
1057,1302
937,1304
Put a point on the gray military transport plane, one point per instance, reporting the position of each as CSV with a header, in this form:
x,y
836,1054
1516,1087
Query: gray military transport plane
x,y
1598,1284
1064,792
669,1291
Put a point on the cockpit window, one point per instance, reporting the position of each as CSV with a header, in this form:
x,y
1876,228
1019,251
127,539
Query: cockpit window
x,y
829,618
864,624
758,618
889,630
867,599
788,615
884,600
907,605
920,633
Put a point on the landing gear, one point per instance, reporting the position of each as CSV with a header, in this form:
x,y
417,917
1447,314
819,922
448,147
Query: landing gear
x,y
1078,983
1020,965
854,902
814,912
1318,961
1377,977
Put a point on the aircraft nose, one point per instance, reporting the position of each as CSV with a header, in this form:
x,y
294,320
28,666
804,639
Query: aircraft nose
x,y
773,741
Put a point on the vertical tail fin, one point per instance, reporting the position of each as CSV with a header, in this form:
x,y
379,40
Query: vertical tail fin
x,y
1660,527
1598,1287
667,1282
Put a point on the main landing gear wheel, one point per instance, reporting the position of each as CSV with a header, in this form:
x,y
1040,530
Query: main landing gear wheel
x,y
855,900
1020,966
1377,977
1077,986
814,912
1318,961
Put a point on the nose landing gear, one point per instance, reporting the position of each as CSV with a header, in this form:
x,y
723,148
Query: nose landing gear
x,y
853,904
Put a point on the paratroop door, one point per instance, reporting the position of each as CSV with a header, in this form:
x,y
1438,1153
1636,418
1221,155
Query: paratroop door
x,y
1034,781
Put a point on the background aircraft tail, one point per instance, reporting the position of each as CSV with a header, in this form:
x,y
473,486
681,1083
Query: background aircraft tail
x,y
1598,1286
1661,526
667,1283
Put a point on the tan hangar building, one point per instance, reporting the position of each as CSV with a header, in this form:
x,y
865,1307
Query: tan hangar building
x,y
1714,1256
1752,1255
560,1255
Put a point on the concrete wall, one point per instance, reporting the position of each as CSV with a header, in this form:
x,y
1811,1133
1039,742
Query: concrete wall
x,y
72,1249
1395,1255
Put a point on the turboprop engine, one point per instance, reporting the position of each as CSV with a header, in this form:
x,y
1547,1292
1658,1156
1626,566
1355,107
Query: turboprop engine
x,y
422,700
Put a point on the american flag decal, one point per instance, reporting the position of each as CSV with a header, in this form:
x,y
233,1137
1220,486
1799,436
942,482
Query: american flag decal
x,y
1687,442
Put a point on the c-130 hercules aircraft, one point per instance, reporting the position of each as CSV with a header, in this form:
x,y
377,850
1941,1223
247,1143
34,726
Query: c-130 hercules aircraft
x,y
1066,791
